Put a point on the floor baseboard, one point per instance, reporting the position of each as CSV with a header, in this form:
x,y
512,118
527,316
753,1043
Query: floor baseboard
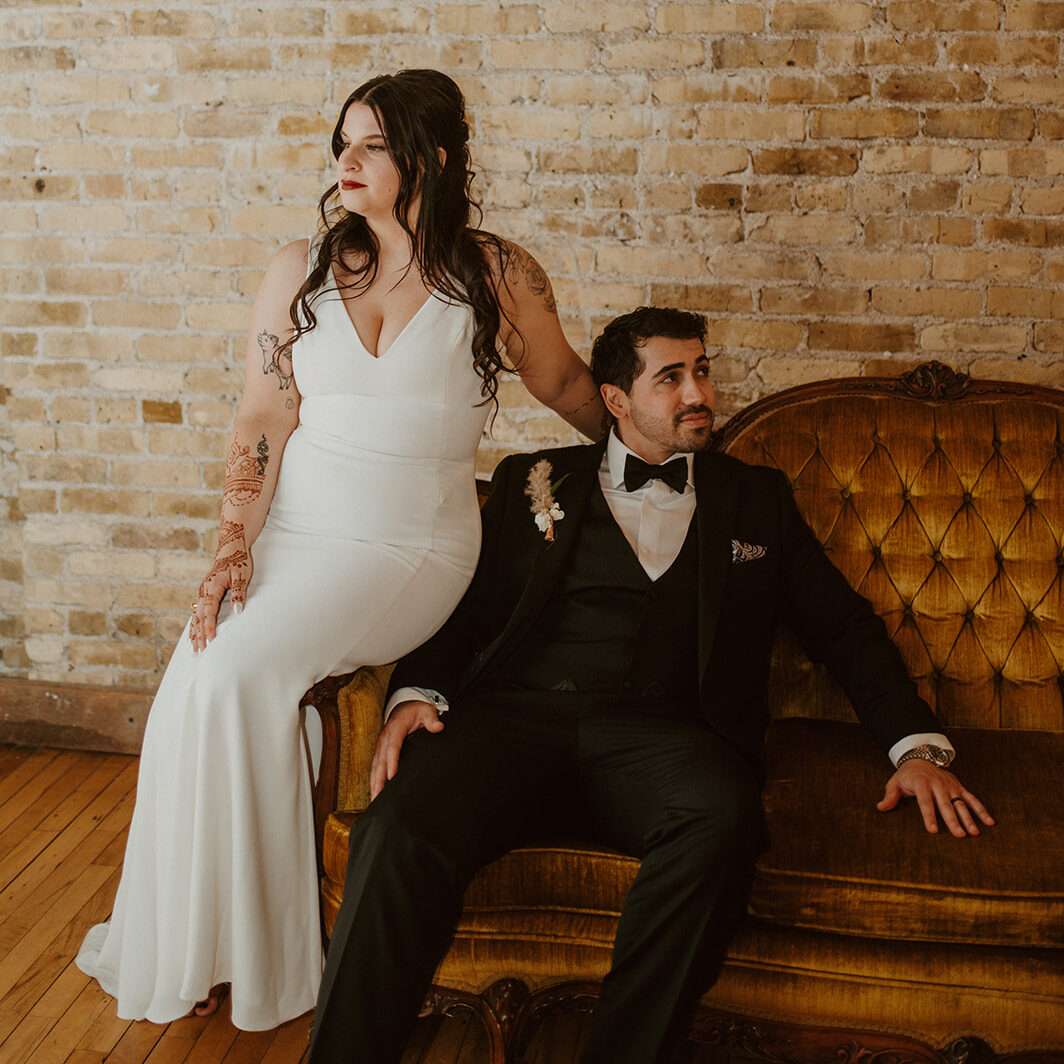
x,y
73,716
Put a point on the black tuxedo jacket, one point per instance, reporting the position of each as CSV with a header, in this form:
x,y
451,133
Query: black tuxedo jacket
x,y
739,602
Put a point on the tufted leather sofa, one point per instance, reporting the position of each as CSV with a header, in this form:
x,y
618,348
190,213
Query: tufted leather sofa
x,y
942,500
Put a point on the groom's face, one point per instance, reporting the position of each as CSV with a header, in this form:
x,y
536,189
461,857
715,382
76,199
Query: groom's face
x,y
670,406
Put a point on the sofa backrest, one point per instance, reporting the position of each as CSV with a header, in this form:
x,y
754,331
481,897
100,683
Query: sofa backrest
x,y
942,501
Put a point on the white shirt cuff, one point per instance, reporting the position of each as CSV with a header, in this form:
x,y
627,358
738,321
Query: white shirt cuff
x,y
903,746
416,694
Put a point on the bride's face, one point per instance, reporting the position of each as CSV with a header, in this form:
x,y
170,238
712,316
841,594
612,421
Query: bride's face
x,y
365,172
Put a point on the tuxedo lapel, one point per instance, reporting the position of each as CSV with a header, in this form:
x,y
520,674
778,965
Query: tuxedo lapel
x,y
717,490
572,496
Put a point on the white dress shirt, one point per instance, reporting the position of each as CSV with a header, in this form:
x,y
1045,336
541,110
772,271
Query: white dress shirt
x,y
654,520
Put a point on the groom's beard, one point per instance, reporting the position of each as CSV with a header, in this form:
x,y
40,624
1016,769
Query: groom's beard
x,y
674,433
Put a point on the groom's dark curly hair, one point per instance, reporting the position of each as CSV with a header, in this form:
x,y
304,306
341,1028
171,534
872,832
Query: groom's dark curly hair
x,y
615,355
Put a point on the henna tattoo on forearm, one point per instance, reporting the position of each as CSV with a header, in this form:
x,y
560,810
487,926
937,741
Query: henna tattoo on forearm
x,y
244,472
232,553
232,532
276,358
521,264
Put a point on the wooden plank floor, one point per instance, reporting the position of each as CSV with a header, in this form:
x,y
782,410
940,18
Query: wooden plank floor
x,y
63,822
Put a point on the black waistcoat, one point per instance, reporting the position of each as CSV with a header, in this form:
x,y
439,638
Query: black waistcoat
x,y
608,628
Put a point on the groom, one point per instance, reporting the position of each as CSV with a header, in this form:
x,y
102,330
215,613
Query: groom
x,y
609,663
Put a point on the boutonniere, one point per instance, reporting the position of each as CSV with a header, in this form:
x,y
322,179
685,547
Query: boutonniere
x,y
540,490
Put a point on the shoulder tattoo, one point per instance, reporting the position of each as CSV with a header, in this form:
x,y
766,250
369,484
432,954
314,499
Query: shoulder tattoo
x,y
520,265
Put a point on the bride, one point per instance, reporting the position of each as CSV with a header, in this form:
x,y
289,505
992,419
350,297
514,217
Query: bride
x,y
349,531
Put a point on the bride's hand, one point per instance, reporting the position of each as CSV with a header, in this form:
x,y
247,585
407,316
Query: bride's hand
x,y
231,572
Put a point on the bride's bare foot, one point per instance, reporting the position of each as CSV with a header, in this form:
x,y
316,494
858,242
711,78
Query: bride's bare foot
x,y
209,1005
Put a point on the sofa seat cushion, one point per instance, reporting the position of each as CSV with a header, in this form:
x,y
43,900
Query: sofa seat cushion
x,y
834,862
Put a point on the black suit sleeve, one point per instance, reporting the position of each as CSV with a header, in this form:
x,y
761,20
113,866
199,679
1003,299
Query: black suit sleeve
x,y
839,628
439,663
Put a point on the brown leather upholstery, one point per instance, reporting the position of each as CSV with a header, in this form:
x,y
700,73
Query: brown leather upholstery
x,y
942,500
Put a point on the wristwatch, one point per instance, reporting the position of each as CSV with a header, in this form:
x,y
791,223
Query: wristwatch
x,y
928,752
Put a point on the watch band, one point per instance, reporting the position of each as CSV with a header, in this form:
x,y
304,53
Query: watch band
x,y
936,755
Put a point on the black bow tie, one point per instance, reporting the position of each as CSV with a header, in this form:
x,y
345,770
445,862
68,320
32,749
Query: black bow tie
x,y
637,473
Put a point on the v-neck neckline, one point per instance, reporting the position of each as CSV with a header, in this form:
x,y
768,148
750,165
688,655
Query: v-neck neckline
x,y
354,328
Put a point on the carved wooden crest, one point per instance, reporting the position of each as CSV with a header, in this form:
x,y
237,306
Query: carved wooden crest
x,y
933,380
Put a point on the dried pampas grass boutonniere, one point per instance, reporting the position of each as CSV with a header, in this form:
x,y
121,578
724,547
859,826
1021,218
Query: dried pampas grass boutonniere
x,y
540,490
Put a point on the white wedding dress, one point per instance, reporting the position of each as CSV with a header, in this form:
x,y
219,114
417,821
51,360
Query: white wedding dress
x,y
371,539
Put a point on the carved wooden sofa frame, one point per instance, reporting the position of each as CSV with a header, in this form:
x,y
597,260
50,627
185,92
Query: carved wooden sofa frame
x,y
901,946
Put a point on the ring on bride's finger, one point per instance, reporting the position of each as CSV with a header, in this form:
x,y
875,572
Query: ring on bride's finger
x,y
958,798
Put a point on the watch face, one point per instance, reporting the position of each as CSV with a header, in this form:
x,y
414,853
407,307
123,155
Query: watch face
x,y
938,755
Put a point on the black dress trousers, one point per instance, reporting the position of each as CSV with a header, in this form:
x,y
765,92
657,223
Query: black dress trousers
x,y
509,766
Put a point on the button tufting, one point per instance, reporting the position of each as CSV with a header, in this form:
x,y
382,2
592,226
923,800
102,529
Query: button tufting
x,y
934,476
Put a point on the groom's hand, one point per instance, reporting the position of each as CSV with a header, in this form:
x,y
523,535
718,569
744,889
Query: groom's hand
x,y
937,793
406,718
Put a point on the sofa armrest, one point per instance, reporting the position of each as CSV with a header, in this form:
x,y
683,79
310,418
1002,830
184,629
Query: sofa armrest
x,y
361,706
351,708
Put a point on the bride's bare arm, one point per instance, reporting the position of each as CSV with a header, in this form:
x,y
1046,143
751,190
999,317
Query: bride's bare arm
x,y
267,415
537,348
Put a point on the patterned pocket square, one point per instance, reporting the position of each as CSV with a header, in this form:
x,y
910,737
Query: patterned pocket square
x,y
745,552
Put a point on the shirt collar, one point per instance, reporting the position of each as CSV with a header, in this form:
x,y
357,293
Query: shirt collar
x,y
616,452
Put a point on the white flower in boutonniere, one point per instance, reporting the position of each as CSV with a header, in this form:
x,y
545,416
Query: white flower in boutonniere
x,y
540,490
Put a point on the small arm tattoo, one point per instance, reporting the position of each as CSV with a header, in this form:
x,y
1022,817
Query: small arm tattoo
x,y
520,264
262,455
586,403
244,472
276,359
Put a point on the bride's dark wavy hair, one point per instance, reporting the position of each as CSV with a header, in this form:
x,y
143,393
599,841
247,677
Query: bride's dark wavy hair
x,y
419,111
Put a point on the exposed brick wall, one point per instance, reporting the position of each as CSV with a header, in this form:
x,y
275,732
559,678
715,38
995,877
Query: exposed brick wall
x,y
836,184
